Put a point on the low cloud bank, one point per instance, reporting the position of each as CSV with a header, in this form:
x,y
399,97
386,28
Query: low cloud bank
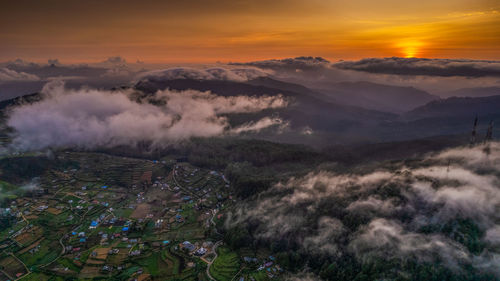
x,y
216,73
422,66
7,75
434,75
297,64
393,65
438,76
442,209
89,118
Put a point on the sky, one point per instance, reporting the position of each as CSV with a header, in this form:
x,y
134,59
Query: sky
x,y
203,31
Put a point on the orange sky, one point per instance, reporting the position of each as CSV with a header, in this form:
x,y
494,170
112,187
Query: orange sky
x,y
242,30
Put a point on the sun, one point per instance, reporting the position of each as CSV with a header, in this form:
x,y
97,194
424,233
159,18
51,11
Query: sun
x,y
410,52
410,48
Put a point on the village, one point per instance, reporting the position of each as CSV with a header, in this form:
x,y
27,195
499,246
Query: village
x,y
109,217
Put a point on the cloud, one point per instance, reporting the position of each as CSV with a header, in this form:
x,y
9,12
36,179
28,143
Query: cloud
x,y
323,242
7,75
115,60
493,236
297,64
438,76
261,124
394,212
433,75
388,239
53,68
7,189
216,73
422,66
53,61
89,118
118,71
118,67
19,62
373,206
463,194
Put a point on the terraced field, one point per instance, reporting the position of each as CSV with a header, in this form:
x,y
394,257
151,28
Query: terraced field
x,y
226,265
171,261
12,266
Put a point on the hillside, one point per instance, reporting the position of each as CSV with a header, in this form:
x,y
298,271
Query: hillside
x,y
378,96
456,106
473,92
306,109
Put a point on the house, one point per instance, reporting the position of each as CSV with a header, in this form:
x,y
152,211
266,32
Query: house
x,y
249,259
179,218
201,251
42,208
135,253
188,246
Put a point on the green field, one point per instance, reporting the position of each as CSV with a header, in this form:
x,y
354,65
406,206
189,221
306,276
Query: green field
x,y
226,265
48,252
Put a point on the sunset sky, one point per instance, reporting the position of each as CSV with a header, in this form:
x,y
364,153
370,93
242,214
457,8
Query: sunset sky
x,y
240,30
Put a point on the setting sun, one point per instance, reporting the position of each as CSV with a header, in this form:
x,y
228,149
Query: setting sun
x,y
410,52
410,48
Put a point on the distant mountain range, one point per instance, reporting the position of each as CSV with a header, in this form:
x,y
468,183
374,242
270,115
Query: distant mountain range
x,y
456,106
378,96
473,92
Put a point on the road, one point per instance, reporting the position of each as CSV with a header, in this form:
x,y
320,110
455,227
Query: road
x,y
217,244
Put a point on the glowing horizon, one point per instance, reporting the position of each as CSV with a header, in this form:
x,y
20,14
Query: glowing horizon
x,y
208,31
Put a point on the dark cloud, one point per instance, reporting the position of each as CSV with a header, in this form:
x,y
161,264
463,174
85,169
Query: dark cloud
x,y
116,60
216,73
436,76
19,77
45,71
421,66
8,75
294,64
53,61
